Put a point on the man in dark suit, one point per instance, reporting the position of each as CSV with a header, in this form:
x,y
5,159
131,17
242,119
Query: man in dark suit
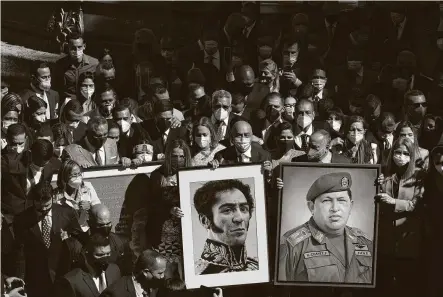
x,y
41,229
304,125
244,150
95,275
265,128
240,106
199,103
160,130
131,133
222,117
99,222
105,98
319,150
147,276
21,172
251,12
41,87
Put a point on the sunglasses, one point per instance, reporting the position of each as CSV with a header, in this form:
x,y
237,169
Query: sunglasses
x,y
417,105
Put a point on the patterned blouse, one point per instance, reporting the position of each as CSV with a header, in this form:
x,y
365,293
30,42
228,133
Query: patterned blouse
x,y
203,158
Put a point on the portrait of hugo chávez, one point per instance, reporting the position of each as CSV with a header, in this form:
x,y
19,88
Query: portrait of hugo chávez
x,y
326,249
224,209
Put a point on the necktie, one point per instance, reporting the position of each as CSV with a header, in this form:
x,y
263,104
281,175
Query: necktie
x,y
220,130
304,142
387,144
46,231
316,98
98,158
330,33
102,282
210,60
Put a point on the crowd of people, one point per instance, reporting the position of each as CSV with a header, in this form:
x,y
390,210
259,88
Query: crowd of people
x,y
330,87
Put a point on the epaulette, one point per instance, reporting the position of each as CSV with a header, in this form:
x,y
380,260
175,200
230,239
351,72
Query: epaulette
x,y
200,266
297,235
357,232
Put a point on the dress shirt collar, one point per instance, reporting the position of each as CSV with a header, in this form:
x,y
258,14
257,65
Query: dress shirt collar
x,y
247,153
327,24
215,121
166,132
402,24
215,56
200,44
138,288
308,132
227,35
319,95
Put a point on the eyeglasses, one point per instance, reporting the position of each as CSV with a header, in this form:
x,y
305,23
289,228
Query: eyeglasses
x,y
417,105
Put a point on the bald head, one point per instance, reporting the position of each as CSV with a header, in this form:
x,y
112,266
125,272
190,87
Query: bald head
x,y
100,214
151,260
241,127
245,74
320,137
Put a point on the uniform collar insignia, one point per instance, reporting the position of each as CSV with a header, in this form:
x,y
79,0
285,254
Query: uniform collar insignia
x,y
315,231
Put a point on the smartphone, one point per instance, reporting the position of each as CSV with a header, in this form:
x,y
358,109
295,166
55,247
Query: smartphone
x,y
287,69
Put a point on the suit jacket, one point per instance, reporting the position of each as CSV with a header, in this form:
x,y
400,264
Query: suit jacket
x,y
215,78
157,138
79,283
229,155
232,119
70,255
336,159
15,169
124,287
79,132
258,125
41,262
126,143
257,95
53,100
84,158
316,126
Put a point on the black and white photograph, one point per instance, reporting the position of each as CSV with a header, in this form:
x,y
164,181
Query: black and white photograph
x,y
327,225
221,244
143,143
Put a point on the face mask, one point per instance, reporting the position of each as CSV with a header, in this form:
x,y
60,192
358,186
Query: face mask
x,y
286,145
105,231
221,114
246,90
272,114
202,142
97,143
401,160
106,110
125,126
355,138
318,84
75,182
265,80
45,85
335,125
265,52
163,124
6,124
304,121
101,264
87,93
145,158
17,149
177,164
314,155
354,110
58,151
40,118
243,146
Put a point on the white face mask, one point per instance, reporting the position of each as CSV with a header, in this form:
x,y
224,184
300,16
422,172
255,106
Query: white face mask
x,y
18,149
58,150
335,125
77,54
203,141
221,114
87,93
144,157
401,160
318,83
45,85
40,118
243,146
356,137
304,121
75,182
125,126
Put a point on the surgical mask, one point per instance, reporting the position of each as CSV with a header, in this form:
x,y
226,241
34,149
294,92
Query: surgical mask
x,y
40,118
203,141
177,163
221,114
401,160
163,124
17,149
87,93
144,157
318,83
58,150
272,114
75,182
335,125
265,80
355,138
77,54
243,145
304,121
125,126
45,85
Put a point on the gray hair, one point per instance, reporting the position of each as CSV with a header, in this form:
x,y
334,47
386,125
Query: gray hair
x,y
221,94
95,122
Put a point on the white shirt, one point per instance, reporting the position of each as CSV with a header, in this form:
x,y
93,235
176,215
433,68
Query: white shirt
x,y
215,59
247,30
138,288
326,159
42,95
224,126
165,135
319,95
50,221
101,151
401,28
97,281
297,138
246,156
390,139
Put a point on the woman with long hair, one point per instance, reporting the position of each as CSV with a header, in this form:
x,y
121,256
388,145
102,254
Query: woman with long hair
x,y
406,129
205,142
10,114
35,117
74,192
401,237
284,140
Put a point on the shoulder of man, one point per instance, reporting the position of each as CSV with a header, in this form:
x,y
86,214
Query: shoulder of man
x,y
359,233
296,235
91,60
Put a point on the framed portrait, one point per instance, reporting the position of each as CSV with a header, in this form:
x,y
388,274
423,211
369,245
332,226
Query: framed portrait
x,y
327,225
224,226
119,188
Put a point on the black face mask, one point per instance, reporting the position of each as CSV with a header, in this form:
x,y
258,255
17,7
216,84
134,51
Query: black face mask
x,y
163,124
272,114
246,90
101,264
177,164
105,231
285,145
150,283
96,142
